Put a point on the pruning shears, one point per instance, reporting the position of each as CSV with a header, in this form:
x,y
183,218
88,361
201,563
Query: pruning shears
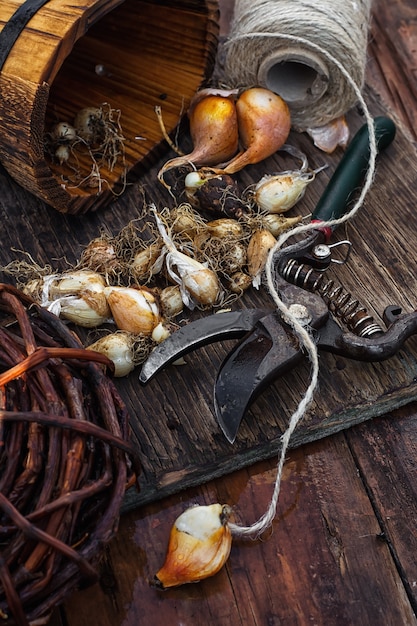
x,y
268,345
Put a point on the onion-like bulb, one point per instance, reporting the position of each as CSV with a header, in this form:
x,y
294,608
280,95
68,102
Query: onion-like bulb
x,y
214,133
259,246
199,545
171,301
133,310
119,348
89,124
198,283
89,309
225,228
76,295
71,283
277,223
278,193
264,123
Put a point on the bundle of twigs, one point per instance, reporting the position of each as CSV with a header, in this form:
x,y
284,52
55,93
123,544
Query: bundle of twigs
x,y
65,460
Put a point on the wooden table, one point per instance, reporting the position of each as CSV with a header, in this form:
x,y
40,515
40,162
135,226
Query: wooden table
x,y
343,546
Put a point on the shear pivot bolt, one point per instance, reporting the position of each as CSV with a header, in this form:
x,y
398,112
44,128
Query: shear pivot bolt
x,y
321,252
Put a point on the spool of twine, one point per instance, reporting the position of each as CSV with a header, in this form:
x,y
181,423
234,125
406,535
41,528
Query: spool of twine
x,y
295,48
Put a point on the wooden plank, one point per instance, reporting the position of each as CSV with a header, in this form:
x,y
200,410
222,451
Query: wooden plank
x,y
385,456
172,417
391,69
310,567
377,387
383,453
325,523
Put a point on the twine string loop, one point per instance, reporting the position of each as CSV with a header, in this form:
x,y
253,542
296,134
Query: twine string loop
x,y
262,35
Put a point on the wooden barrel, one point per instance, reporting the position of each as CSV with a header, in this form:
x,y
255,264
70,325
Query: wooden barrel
x,y
123,59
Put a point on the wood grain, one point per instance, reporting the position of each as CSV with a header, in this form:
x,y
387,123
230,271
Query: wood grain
x,y
380,452
324,561
152,57
172,417
392,59
342,547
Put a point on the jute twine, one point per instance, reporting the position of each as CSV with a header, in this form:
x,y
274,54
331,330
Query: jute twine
x,y
256,529
288,47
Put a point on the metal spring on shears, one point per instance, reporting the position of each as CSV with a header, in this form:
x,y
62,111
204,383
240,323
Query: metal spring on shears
x,y
338,299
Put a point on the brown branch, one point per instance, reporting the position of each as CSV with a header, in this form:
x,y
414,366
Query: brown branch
x,y
65,455
40,355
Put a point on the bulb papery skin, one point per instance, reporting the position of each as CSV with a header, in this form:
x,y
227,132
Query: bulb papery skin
x,y
239,282
133,310
63,132
160,333
329,137
279,193
198,284
73,283
264,123
171,301
118,348
277,223
62,154
213,91
214,134
88,310
203,286
225,227
100,255
261,242
236,257
213,122
185,220
200,521
262,110
86,123
145,262
199,545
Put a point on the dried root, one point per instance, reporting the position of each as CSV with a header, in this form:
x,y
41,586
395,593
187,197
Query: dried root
x,y
141,280
89,149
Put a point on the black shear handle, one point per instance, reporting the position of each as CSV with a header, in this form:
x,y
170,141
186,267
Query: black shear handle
x,y
351,170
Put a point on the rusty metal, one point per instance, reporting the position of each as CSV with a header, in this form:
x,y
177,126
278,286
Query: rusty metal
x,y
340,302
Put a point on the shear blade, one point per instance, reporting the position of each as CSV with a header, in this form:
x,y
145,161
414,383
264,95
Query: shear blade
x,y
257,360
196,334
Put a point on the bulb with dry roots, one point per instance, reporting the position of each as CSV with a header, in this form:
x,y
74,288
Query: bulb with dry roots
x,y
260,244
278,193
133,310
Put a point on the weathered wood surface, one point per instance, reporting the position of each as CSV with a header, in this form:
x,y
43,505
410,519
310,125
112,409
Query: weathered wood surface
x,y
331,557
392,58
342,548
172,417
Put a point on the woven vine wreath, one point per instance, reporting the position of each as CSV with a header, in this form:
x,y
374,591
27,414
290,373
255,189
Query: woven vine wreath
x,y
65,460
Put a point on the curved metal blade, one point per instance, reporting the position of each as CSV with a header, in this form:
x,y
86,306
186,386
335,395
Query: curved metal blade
x,y
212,328
258,359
